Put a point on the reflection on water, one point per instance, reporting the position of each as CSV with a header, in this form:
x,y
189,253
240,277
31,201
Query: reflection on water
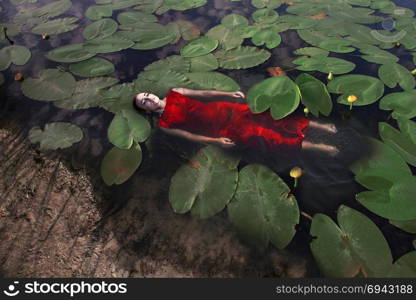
x,y
327,182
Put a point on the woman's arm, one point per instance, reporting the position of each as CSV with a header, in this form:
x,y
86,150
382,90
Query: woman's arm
x,y
223,142
209,94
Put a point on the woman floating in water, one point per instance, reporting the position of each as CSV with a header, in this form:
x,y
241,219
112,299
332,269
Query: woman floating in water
x,y
227,124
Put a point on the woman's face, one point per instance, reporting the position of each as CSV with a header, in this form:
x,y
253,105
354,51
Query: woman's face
x,y
147,101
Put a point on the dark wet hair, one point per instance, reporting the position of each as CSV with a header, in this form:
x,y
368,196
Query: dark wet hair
x,y
143,111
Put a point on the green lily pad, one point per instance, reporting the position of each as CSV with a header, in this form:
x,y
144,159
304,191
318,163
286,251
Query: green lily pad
x,y
50,85
127,127
262,209
183,4
392,74
404,267
408,128
96,12
206,184
384,163
56,135
337,45
100,29
69,54
280,94
401,103
118,97
10,29
378,56
233,20
204,63
324,64
19,2
396,203
399,142
366,88
271,4
159,82
408,226
17,55
109,44
353,246
174,63
87,93
118,165
297,22
200,46
265,16
213,81
149,6
56,26
269,38
92,67
242,57
156,40
227,38
135,17
315,95
311,51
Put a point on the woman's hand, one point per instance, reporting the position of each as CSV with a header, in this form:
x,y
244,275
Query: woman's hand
x,y
238,95
225,142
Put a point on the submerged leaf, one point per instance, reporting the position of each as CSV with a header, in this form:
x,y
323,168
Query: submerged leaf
x,y
56,135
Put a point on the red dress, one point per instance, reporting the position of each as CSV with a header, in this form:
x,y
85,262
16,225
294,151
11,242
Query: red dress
x,y
234,121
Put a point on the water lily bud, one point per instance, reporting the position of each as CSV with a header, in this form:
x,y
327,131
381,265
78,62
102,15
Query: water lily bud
x,y
397,44
414,72
306,110
351,99
330,76
18,77
295,173
45,36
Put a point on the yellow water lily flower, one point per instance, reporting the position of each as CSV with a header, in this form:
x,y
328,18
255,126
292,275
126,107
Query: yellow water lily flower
x,y
306,111
330,76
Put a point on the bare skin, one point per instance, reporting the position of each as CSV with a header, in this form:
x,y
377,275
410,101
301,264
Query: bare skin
x,y
152,103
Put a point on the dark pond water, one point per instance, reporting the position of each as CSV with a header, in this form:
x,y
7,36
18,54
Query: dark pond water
x,y
327,183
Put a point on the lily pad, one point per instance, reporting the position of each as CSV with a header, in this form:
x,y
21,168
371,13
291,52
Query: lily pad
x,y
69,53
404,267
262,209
100,29
366,88
336,45
118,165
50,85
87,93
204,63
311,51
393,74
92,67
408,128
353,246
199,47
174,63
135,17
127,127
402,104
96,12
109,44
156,40
213,81
233,20
206,184
242,57
17,55
265,16
324,64
56,135
269,38
408,226
228,39
188,30
56,26
271,4
280,94
315,95
399,142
